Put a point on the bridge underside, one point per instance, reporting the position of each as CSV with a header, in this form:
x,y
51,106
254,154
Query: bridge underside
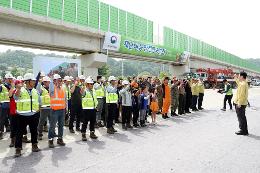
x,y
22,29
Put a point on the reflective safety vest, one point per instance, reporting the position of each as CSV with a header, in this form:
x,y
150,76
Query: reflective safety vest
x,y
111,97
58,99
89,101
67,90
27,103
229,92
45,98
100,92
4,95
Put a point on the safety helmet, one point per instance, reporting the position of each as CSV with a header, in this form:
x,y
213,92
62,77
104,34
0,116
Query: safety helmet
x,y
46,79
9,76
20,78
125,82
67,78
89,80
56,76
111,78
29,76
42,74
82,77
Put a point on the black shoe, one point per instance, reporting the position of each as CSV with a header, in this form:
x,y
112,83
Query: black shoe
x,y
25,139
72,131
51,145
166,116
1,135
96,126
84,137
8,129
200,108
93,135
18,152
40,137
114,130
110,131
78,129
136,125
242,133
100,124
129,126
223,109
143,125
124,127
60,142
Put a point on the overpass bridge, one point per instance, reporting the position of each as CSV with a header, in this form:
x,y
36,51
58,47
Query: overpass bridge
x,y
79,26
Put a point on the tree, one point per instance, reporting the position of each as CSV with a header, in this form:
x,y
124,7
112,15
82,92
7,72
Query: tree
x,y
104,70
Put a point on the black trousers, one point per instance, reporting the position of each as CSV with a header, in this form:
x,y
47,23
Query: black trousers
x,y
75,114
13,125
68,112
88,115
135,115
117,115
242,118
200,100
181,106
194,102
23,121
228,98
188,103
111,113
126,114
4,121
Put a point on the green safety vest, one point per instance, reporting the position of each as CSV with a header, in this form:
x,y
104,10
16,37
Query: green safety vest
x,y
45,97
89,101
25,103
67,90
111,97
4,95
100,92
229,92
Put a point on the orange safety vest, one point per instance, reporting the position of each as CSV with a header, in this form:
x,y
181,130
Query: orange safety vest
x,y
58,99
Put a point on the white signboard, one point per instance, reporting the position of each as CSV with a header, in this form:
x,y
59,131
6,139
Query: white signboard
x,y
112,41
53,65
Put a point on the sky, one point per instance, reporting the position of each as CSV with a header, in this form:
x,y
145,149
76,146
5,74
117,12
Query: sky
x,y
232,25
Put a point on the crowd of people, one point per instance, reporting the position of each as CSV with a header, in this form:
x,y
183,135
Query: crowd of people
x,y
46,102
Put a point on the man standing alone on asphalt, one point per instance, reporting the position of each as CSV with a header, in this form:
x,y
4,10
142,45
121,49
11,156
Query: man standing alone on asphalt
x,y
228,96
241,103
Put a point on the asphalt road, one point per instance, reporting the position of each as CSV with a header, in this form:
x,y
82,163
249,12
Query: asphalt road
x,y
200,142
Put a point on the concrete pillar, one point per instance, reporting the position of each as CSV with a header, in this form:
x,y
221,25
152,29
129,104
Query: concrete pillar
x,y
91,62
178,71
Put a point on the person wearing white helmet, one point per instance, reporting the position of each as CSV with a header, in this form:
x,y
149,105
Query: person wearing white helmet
x,y
45,107
67,87
111,102
76,103
82,79
100,91
58,106
126,96
89,108
28,106
5,104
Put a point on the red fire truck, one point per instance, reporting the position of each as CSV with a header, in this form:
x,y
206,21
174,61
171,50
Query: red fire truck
x,y
213,78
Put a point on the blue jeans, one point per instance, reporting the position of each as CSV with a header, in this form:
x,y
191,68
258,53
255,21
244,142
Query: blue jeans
x,y
56,116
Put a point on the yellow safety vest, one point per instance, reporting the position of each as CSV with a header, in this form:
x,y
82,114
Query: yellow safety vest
x,y
27,103
100,92
67,90
4,95
89,101
45,97
111,97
